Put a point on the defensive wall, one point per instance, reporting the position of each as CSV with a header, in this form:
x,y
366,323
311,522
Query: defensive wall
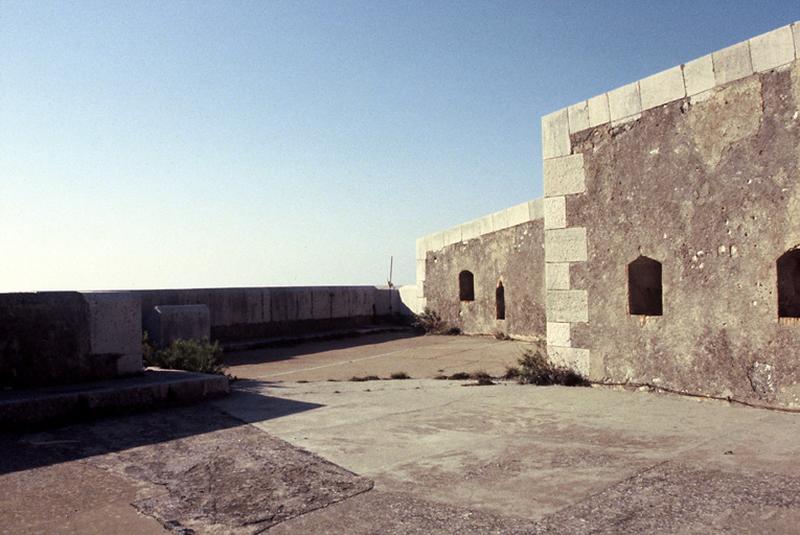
x,y
498,260
671,228
50,338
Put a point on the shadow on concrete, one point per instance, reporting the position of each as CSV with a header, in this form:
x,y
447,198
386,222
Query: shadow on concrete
x,y
274,354
25,451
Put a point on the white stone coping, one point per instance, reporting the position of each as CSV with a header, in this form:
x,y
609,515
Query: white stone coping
x,y
510,217
759,54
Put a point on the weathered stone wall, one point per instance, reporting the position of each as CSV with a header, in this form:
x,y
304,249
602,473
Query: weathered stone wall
x,y
513,256
242,314
53,338
698,168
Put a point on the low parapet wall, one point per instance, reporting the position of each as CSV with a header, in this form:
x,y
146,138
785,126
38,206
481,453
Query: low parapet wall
x,y
239,314
52,338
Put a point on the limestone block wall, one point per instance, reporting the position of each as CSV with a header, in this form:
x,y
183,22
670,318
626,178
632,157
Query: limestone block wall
x,y
504,248
239,314
698,168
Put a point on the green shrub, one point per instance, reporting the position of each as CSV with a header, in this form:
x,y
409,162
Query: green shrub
x,y
536,369
190,355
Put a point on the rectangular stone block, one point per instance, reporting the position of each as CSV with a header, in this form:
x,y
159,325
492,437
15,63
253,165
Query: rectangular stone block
x,y
168,323
556,276
565,245
567,306
421,249
535,209
501,220
452,235
470,230
320,303
434,242
340,302
518,214
420,270
115,327
558,334
698,75
555,212
283,304
570,357
578,115
598,110
305,304
563,176
360,301
772,49
661,88
732,63
624,102
555,134
796,33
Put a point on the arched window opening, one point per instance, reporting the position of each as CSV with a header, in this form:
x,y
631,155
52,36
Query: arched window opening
x,y
789,284
500,301
466,286
644,287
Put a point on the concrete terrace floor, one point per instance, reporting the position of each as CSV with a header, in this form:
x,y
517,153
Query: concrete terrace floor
x,y
379,355
409,456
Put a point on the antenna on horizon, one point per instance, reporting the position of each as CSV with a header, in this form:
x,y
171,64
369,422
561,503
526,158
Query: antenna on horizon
x,y
391,266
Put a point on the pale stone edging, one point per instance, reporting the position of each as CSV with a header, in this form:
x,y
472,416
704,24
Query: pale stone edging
x,y
759,54
510,217
564,172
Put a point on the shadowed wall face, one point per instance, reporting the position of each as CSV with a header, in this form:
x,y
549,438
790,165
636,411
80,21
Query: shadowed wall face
x,y
507,268
709,186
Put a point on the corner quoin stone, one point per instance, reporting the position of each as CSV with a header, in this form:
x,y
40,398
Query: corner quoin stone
x,y
565,245
732,63
568,306
558,334
555,212
563,176
570,357
556,276
555,134
772,49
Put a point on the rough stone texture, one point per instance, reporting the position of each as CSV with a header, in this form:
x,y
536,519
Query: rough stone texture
x,y
46,339
167,323
712,190
196,471
563,176
514,256
555,214
115,325
565,245
557,276
567,305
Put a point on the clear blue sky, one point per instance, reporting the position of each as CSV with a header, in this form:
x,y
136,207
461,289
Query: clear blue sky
x,y
181,144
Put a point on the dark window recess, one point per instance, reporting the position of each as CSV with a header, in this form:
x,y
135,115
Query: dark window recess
x,y
789,284
466,286
500,301
644,287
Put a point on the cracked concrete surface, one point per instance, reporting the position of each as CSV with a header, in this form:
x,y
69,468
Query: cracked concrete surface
x,y
541,459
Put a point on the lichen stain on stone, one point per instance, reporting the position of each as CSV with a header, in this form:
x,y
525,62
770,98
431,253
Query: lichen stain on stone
x,y
741,106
